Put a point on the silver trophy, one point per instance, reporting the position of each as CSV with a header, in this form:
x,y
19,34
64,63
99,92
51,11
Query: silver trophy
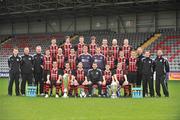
x,y
114,86
65,83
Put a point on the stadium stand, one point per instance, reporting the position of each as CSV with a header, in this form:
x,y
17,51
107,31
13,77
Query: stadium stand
x,y
168,41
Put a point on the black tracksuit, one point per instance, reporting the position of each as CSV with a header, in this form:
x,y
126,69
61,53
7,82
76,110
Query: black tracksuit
x,y
139,69
147,75
26,71
95,76
161,67
38,71
14,73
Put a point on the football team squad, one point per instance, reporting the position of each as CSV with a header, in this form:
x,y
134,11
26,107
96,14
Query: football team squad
x,y
112,69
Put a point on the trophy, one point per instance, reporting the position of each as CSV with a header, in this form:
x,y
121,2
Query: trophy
x,y
114,89
65,83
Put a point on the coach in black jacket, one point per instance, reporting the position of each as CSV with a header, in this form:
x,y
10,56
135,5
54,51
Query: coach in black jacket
x,y
139,66
14,72
38,69
95,78
26,70
161,68
147,74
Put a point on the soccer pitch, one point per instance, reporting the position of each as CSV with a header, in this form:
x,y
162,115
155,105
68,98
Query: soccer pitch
x,y
39,108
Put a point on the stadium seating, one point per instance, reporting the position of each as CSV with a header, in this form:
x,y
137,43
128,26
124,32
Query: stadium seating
x,y
135,39
168,41
22,41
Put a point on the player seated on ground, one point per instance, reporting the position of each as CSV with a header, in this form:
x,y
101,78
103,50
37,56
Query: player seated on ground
x,y
120,77
71,81
54,78
94,78
82,80
107,79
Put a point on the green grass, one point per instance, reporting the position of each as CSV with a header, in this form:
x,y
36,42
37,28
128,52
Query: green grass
x,y
39,108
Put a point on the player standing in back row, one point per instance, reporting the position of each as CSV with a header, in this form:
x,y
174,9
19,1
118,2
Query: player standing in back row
x,y
92,46
126,48
53,49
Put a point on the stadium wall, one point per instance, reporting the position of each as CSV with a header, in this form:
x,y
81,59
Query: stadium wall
x,y
140,22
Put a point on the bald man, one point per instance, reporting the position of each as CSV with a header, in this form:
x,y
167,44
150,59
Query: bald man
x,y
162,69
126,48
38,69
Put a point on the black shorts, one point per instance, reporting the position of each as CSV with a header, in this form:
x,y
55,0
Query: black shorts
x,y
121,82
80,82
132,77
108,82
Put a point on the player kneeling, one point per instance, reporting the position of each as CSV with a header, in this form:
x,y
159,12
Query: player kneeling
x,y
82,80
119,77
107,80
54,78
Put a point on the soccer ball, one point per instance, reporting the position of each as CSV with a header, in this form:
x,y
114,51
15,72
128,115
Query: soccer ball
x,y
65,93
82,94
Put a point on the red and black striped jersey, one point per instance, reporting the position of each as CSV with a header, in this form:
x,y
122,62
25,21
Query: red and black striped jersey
x,y
47,62
54,74
120,74
127,51
72,59
123,61
105,50
53,50
80,48
108,76
132,64
67,48
67,71
92,49
115,50
110,61
60,61
80,75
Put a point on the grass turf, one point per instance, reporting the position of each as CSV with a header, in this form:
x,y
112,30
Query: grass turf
x,y
39,108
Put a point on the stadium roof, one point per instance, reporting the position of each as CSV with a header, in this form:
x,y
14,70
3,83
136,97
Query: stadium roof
x,y
29,8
